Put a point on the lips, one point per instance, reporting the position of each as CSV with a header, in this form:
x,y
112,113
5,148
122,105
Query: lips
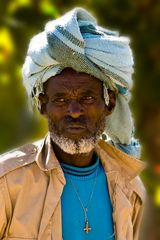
x,y
75,128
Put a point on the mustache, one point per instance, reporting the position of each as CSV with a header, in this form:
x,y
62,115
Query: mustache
x,y
80,120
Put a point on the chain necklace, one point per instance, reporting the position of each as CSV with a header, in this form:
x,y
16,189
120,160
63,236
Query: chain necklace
x,y
85,209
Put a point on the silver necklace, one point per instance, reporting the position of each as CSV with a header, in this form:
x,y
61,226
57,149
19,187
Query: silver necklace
x,y
85,209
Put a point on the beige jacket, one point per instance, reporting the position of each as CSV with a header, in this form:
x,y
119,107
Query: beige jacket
x,y
32,181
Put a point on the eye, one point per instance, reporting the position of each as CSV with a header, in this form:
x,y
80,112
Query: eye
x,y
59,100
88,99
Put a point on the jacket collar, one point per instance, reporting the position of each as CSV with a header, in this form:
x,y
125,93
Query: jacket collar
x,y
46,158
112,159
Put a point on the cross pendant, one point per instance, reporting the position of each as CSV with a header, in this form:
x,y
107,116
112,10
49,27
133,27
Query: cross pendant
x,y
87,228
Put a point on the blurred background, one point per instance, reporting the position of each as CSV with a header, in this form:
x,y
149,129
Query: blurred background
x,y
138,19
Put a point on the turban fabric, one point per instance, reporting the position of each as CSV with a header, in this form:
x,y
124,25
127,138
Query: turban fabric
x,y
76,41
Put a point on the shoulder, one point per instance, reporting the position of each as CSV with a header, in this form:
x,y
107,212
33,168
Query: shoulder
x,y
126,166
19,157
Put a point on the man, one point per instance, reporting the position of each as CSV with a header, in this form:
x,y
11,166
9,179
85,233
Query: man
x,y
73,184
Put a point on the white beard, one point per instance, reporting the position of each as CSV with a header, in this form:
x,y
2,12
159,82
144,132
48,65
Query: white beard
x,y
81,146
84,145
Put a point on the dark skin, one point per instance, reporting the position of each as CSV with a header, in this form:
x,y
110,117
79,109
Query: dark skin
x,y
75,103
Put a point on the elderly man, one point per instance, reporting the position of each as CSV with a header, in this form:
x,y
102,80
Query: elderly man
x,y
73,184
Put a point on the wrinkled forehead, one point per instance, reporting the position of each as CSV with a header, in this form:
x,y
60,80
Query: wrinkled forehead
x,y
71,80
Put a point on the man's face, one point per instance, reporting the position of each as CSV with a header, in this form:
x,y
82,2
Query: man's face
x,y
76,111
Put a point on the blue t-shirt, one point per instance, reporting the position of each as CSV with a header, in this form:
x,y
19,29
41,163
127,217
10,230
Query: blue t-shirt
x,y
99,210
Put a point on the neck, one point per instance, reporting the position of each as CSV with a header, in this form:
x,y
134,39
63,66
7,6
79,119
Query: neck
x,y
77,160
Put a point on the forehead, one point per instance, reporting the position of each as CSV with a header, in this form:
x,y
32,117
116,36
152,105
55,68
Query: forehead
x,y
70,80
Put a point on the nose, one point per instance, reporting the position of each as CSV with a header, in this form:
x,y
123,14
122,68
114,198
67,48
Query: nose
x,y
75,109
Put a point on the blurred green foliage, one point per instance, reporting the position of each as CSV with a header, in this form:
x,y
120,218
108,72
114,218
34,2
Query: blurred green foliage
x,y
21,19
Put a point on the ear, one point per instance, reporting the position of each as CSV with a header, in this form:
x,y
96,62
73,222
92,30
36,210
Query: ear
x,y
42,103
112,102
